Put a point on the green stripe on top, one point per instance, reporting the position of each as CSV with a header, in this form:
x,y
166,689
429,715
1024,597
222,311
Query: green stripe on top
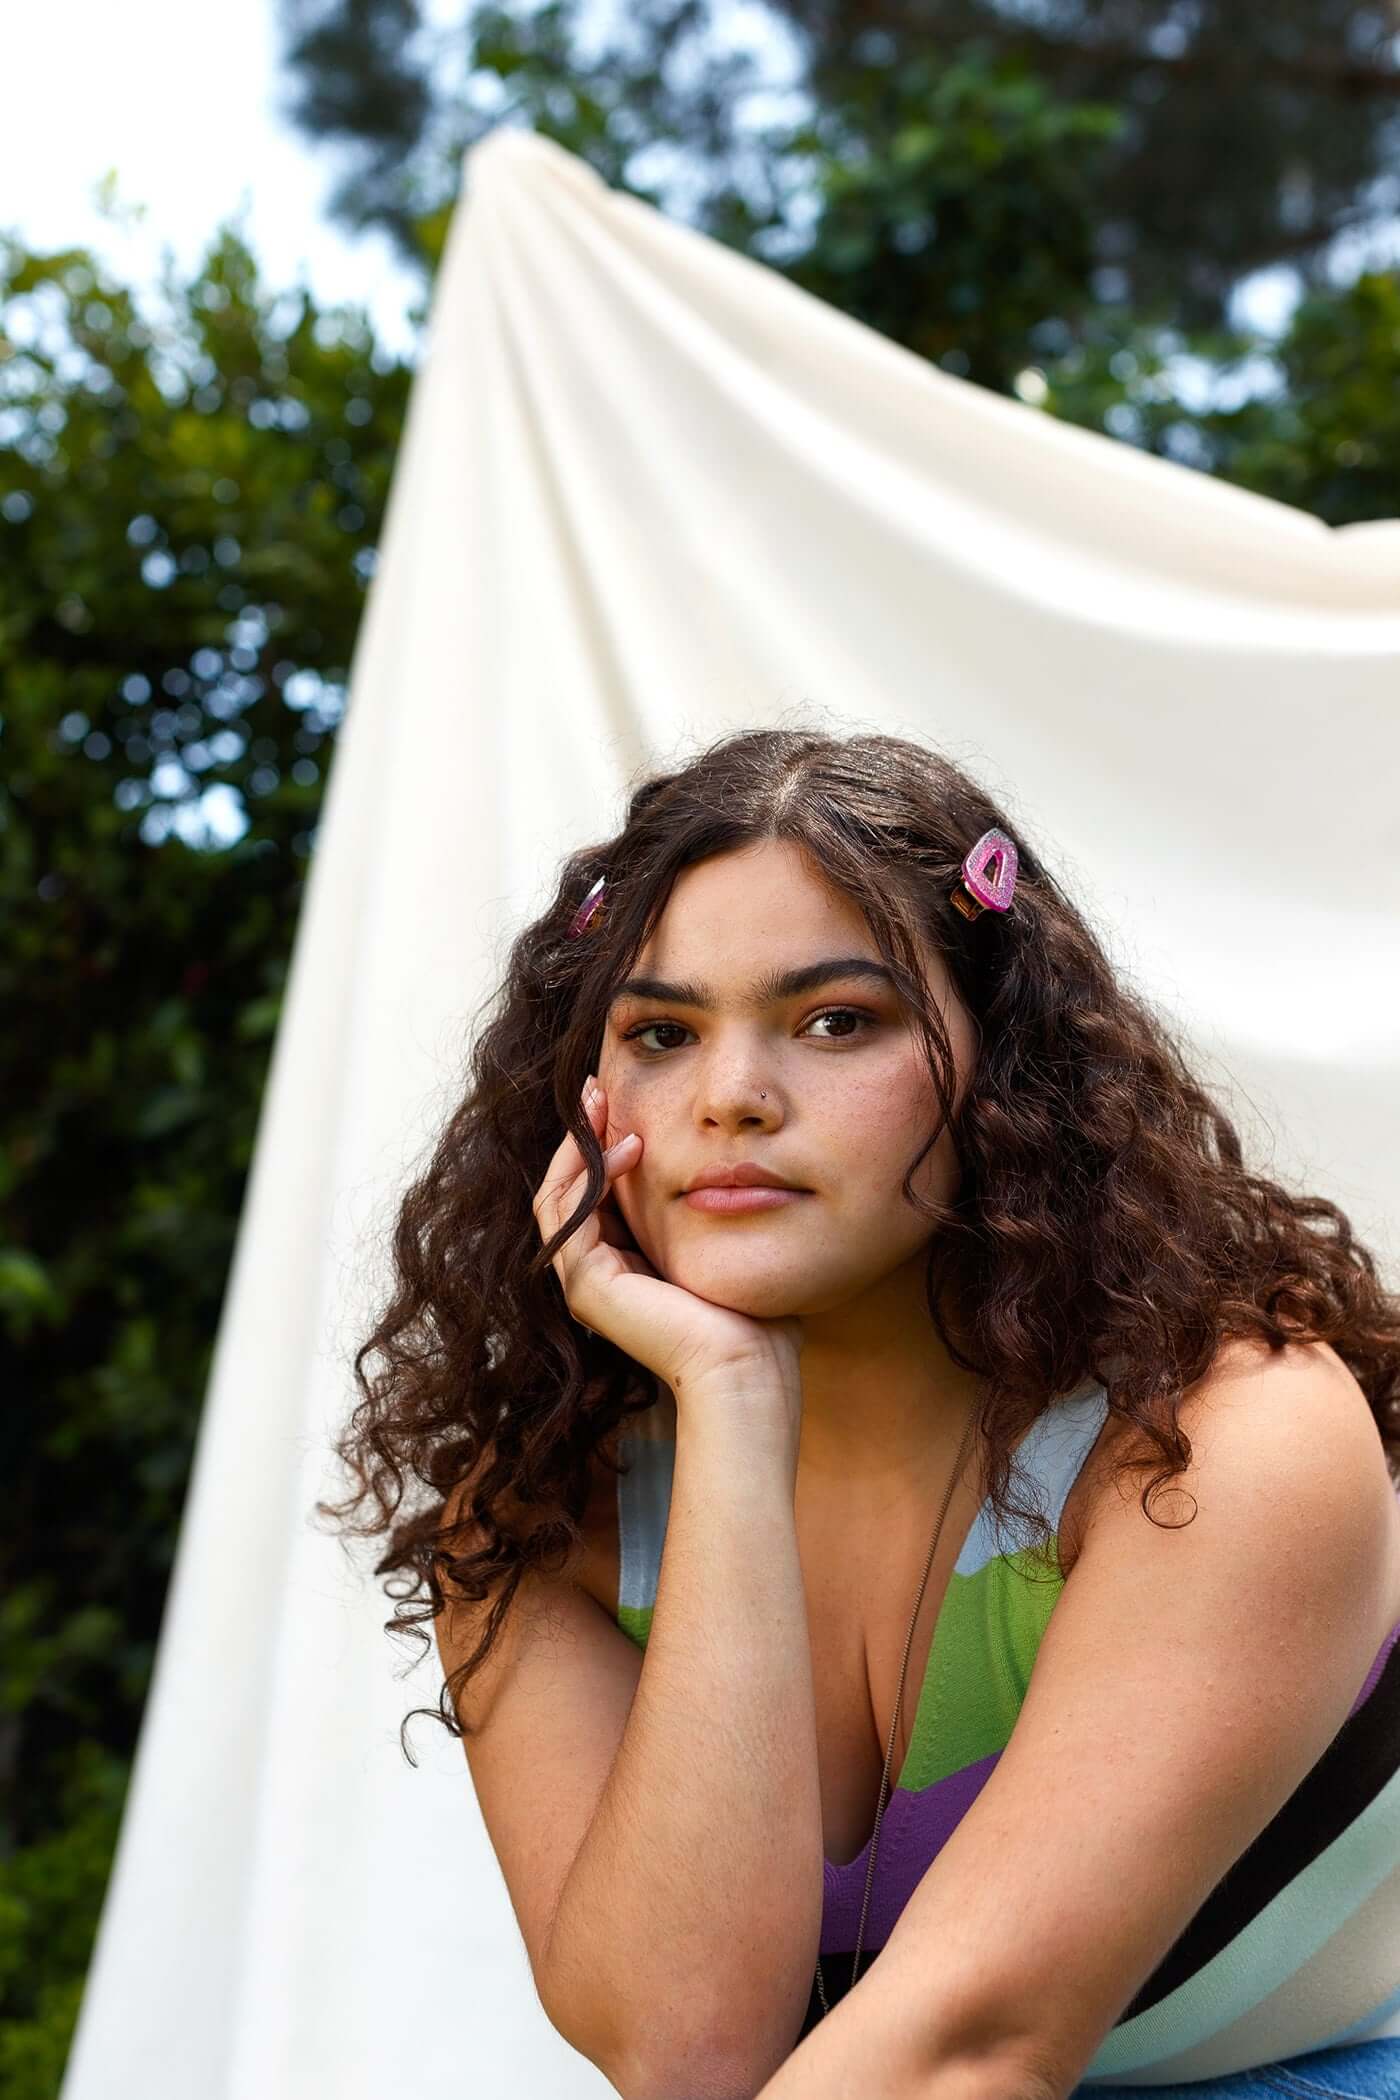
x,y
989,1627
635,1620
1000,1594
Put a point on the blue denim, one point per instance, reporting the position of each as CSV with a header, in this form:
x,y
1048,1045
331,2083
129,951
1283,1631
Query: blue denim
x,y
1355,2071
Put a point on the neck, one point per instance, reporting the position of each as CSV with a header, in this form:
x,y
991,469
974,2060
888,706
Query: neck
x,y
881,1396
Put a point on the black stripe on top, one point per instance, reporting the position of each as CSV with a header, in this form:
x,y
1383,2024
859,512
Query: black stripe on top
x,y
1358,1762
1361,1757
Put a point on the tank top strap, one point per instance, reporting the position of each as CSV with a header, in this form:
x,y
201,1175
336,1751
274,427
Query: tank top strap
x,y
1044,1470
1045,1467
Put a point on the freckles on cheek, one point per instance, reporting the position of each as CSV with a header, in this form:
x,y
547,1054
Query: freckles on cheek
x,y
882,1120
873,1105
623,1104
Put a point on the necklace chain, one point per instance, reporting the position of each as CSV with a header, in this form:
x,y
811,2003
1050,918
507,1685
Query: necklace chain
x,y
894,1724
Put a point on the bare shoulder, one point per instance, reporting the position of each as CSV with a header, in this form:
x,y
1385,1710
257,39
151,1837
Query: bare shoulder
x,y
1268,1415
1192,1673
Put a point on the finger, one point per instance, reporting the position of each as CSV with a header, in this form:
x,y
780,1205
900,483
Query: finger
x,y
603,1224
564,1168
617,1158
572,1163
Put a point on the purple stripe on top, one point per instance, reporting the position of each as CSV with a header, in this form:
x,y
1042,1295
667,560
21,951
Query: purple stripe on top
x,y
913,1830
1373,1678
916,1824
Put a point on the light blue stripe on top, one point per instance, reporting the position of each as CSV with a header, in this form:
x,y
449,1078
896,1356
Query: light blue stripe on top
x,y
1049,1456
1269,1949
643,1505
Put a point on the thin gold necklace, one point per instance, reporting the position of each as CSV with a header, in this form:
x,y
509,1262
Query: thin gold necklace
x,y
898,1709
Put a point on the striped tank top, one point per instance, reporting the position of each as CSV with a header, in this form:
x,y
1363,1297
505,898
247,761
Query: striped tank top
x,y
1298,1945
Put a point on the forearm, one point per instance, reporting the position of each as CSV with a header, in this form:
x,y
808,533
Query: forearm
x,y
904,2033
858,2072
701,1870
878,2047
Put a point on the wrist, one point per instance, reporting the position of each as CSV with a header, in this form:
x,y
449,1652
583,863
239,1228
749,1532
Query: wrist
x,y
756,1402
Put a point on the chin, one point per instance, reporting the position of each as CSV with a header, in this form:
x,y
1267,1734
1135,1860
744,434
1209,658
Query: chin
x,y
736,1280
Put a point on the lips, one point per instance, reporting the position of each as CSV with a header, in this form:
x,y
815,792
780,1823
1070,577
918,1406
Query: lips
x,y
747,1174
736,1199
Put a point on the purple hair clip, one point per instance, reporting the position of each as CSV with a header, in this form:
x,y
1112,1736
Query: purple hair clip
x,y
583,917
978,891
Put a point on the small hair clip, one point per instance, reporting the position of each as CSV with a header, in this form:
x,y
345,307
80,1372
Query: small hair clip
x,y
977,892
586,912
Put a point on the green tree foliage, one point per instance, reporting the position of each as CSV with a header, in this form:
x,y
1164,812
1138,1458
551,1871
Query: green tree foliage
x,y
188,514
1060,208
954,206
1251,132
190,504
1312,419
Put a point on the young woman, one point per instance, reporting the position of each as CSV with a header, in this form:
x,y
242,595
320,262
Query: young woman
x,y
906,1502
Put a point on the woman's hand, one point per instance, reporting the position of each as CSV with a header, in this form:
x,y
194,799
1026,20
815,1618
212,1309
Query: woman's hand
x,y
612,1289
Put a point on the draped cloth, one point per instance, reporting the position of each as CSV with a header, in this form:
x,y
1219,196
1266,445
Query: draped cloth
x,y
648,492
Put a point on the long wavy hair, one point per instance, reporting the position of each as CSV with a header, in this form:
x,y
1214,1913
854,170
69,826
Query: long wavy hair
x,y
1105,1227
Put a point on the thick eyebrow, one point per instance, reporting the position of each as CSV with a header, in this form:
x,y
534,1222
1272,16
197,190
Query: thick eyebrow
x,y
778,984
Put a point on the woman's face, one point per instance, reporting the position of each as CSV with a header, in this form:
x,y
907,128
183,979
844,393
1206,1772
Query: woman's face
x,y
827,1087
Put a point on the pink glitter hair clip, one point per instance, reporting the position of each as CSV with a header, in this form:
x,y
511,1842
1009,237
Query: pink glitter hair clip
x,y
584,916
978,891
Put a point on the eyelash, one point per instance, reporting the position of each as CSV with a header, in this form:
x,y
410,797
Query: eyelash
x,y
866,1020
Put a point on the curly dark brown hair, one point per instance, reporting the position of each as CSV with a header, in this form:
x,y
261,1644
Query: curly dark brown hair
x,y
1105,1226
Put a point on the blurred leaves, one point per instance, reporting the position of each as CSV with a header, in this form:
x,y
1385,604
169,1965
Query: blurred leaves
x,y
189,505
1250,133
1312,419
50,1896
954,210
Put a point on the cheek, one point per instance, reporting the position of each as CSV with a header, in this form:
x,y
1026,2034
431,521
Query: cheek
x,y
626,1100
884,1121
629,1108
893,1103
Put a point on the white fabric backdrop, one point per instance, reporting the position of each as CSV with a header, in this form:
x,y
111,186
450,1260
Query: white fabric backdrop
x,y
647,492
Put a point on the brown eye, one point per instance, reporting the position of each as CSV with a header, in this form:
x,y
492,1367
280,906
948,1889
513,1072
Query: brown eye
x,y
845,1013
645,1028
840,1013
